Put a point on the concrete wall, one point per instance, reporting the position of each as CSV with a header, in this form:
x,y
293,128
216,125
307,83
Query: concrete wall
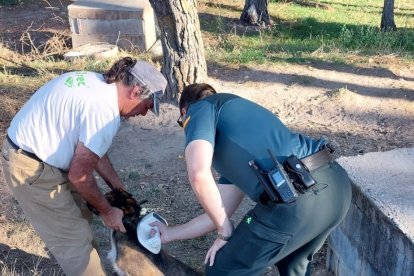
x,y
127,24
377,236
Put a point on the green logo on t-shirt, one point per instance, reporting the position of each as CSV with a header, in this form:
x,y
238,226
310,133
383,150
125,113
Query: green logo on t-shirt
x,y
78,81
69,82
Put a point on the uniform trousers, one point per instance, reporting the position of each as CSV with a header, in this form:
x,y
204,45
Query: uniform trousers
x,y
287,234
54,208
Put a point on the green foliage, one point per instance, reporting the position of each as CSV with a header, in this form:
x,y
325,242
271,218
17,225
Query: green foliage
x,y
330,30
372,40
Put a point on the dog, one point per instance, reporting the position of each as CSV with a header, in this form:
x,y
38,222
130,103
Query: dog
x,y
127,256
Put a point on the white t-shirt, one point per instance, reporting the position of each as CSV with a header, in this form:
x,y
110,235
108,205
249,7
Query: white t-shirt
x,y
74,107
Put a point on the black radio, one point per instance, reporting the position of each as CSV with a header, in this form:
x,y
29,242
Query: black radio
x,y
276,183
281,181
270,191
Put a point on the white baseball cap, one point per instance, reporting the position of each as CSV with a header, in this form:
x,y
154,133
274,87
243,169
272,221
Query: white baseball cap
x,y
151,78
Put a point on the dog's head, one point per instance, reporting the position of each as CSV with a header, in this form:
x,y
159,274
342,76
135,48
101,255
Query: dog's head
x,y
131,208
127,203
124,201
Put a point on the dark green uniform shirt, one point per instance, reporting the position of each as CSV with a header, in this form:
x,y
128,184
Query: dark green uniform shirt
x,y
240,131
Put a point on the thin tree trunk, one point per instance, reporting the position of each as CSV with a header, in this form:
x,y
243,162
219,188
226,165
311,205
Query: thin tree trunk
x,y
255,12
184,60
387,20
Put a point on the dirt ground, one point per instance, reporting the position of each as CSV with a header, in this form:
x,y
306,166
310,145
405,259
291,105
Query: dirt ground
x,y
358,109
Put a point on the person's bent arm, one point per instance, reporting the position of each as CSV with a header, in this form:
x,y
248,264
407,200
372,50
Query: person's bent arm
x,y
80,175
199,155
231,196
105,169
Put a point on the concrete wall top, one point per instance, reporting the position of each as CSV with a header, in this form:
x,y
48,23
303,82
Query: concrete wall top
x,y
115,4
109,9
387,180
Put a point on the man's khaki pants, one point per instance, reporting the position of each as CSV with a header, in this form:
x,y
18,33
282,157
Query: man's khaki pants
x,y
56,211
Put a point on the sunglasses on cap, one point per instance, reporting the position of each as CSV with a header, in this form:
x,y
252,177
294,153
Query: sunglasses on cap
x,y
180,121
156,99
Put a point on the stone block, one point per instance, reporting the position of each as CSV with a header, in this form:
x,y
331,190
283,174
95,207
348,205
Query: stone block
x,y
377,235
108,10
106,27
126,42
131,23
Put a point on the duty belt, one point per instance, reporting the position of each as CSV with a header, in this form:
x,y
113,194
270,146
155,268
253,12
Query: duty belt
x,y
312,162
28,154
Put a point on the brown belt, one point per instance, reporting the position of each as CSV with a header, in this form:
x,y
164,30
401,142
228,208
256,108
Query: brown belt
x,y
28,154
312,162
318,159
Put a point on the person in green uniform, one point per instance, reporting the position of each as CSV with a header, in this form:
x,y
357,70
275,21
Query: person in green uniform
x,y
225,132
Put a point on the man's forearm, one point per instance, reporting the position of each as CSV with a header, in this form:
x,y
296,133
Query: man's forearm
x,y
89,190
202,224
196,227
209,197
105,169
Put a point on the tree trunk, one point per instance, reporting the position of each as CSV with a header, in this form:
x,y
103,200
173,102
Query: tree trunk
x,y
184,60
255,12
387,20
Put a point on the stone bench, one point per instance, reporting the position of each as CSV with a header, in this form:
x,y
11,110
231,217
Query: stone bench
x,y
128,24
377,235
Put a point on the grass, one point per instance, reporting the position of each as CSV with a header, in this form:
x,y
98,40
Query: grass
x,y
342,27
13,261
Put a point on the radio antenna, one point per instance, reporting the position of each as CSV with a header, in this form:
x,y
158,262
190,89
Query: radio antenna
x,y
273,157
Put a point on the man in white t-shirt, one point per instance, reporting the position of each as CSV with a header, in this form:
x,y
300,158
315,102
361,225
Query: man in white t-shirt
x,y
59,138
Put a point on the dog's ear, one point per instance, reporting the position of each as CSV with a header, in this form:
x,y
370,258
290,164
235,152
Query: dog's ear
x,y
119,198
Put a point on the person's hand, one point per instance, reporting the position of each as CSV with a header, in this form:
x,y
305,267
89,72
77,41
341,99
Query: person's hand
x,y
162,229
120,186
211,253
113,219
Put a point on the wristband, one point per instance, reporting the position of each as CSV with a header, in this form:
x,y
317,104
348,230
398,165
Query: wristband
x,y
223,237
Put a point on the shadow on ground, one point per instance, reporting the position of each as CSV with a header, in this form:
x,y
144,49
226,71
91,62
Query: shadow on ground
x,y
24,263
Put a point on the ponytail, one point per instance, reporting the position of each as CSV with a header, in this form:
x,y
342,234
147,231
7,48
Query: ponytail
x,y
120,72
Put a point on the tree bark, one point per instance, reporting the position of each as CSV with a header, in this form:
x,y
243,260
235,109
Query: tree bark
x,y
183,49
255,12
387,20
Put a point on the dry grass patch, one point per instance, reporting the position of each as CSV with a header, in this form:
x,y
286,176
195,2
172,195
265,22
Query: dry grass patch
x,y
21,250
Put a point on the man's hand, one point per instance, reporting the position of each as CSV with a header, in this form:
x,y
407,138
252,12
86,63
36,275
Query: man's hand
x,y
113,219
211,253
